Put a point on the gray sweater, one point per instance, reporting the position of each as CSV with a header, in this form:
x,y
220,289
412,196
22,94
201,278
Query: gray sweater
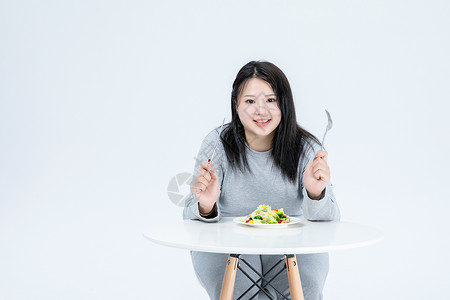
x,y
242,192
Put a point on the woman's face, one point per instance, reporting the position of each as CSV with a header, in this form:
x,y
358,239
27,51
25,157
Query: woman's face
x,y
258,109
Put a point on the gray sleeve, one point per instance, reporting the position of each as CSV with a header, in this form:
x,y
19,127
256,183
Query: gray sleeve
x,y
190,210
325,209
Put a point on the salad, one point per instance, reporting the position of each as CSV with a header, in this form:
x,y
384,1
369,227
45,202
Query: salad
x,y
264,214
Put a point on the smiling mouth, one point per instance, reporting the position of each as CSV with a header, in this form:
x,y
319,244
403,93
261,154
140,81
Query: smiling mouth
x,y
262,122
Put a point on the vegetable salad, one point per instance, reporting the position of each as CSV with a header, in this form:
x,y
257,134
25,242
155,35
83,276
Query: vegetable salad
x,y
264,214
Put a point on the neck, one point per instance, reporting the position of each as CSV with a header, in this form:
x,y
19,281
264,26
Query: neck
x,y
260,143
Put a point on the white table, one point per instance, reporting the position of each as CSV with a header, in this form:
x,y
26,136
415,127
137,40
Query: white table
x,y
228,237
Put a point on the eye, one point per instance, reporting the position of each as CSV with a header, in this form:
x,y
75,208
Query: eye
x,y
272,100
250,101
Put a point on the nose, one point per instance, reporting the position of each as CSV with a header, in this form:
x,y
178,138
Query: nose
x,y
261,108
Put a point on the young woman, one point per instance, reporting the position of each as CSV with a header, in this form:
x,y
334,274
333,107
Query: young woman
x,y
263,157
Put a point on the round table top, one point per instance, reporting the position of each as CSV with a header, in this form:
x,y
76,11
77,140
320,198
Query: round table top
x,y
227,236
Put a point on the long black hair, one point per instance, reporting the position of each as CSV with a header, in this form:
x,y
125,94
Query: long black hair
x,y
290,140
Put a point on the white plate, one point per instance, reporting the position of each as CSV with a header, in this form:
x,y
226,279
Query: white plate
x,y
293,220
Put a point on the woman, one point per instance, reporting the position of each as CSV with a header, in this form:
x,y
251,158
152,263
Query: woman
x,y
264,157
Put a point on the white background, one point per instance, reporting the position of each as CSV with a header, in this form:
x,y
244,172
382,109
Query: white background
x,y
103,102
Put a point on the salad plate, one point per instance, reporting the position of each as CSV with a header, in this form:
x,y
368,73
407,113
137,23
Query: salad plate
x,y
265,216
241,220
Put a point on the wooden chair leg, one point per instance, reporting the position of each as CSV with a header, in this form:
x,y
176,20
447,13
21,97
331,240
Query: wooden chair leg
x,y
229,278
295,285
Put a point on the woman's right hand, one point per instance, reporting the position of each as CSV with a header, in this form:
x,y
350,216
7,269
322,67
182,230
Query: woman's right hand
x,y
206,188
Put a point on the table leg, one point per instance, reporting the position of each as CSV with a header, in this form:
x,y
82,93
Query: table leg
x,y
295,285
229,278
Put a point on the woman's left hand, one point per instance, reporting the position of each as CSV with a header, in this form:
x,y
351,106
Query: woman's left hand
x,y
317,175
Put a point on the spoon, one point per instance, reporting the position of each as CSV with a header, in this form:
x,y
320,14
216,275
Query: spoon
x,y
329,126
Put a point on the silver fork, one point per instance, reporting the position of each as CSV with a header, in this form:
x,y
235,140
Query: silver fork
x,y
329,126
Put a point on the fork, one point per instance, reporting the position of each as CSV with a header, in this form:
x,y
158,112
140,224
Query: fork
x,y
329,126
